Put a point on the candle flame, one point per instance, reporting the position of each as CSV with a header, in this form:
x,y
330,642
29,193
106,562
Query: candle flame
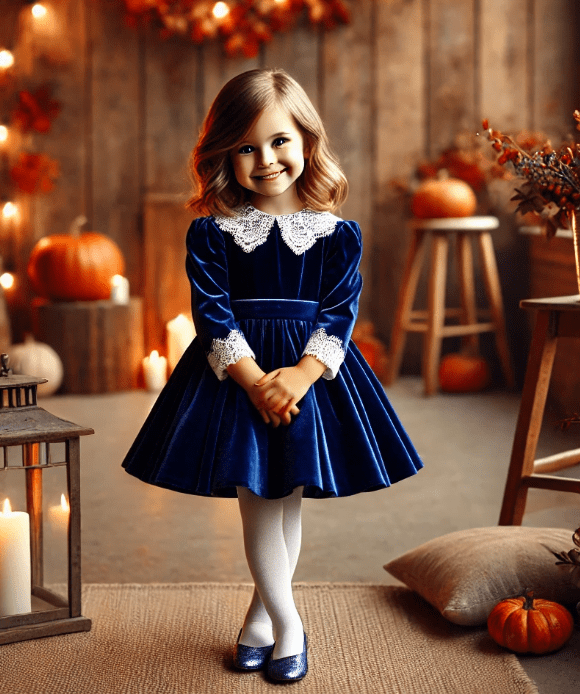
x,y
64,503
116,280
3,133
7,508
180,320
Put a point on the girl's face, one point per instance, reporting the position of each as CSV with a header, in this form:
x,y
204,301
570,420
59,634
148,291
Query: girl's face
x,y
269,160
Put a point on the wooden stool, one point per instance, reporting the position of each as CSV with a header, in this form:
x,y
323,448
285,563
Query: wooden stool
x,y
432,321
556,317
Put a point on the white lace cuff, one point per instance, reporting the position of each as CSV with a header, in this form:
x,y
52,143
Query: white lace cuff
x,y
327,349
228,351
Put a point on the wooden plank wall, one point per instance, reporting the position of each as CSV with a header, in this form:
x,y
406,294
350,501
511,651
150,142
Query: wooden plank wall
x,y
394,86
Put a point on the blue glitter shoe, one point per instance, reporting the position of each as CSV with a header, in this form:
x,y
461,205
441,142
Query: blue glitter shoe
x,y
289,669
251,657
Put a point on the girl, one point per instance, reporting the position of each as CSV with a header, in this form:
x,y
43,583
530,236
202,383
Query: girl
x,y
271,402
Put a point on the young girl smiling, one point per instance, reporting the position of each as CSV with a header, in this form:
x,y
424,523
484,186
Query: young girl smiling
x,y
271,402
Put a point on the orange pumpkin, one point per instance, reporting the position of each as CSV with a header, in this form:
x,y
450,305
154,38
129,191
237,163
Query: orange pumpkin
x,y
446,197
463,373
525,625
75,267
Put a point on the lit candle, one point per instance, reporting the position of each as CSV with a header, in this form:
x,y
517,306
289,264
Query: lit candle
x,y
180,333
59,515
155,370
15,581
119,290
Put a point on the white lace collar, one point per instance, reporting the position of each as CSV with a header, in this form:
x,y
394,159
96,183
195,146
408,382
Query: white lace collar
x,y
299,230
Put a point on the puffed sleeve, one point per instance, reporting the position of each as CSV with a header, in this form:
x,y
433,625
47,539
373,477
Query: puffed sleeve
x,y
207,269
340,291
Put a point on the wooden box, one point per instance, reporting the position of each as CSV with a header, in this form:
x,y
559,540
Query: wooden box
x,y
100,343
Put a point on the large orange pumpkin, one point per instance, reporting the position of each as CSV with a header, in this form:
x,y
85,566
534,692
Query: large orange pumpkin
x,y
446,197
75,267
463,373
525,625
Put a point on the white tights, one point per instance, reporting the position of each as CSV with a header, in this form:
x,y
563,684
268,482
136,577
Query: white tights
x,y
272,536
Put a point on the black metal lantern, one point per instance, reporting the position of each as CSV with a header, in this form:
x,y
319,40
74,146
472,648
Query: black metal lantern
x,y
32,441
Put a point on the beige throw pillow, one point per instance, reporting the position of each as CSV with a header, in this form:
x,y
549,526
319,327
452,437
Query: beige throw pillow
x,y
464,574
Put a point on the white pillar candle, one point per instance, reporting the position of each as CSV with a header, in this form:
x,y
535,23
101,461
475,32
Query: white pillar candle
x,y
59,515
155,371
119,290
15,581
180,333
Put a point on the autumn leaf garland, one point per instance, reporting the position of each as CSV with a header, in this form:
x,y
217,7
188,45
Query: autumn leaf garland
x,y
242,25
34,112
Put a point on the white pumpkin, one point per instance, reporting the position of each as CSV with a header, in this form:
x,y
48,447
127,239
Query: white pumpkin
x,y
37,359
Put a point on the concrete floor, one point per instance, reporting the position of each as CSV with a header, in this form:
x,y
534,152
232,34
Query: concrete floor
x,y
133,532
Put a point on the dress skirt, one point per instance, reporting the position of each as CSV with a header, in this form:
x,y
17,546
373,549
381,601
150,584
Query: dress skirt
x,y
203,436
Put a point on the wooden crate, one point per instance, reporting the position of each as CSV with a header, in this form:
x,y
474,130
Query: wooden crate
x,y
100,342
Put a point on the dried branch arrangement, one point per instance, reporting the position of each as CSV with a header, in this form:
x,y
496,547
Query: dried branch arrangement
x,y
552,176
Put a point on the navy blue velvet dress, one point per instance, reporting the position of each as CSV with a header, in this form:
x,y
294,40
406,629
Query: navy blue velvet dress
x,y
274,288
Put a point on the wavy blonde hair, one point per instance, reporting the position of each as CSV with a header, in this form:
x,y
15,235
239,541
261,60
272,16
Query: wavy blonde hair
x,y
322,186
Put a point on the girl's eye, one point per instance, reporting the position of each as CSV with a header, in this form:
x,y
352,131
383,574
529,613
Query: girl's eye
x,y
279,141
246,149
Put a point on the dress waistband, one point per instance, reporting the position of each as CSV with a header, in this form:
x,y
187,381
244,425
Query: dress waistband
x,y
275,308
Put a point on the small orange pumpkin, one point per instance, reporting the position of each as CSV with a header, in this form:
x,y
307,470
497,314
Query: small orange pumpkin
x,y
75,267
445,197
525,625
463,373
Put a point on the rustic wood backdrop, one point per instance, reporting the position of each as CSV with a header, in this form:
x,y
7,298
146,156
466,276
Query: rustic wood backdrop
x,y
394,86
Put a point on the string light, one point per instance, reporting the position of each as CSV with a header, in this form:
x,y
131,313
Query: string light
x,y
38,11
220,10
6,59
7,280
10,210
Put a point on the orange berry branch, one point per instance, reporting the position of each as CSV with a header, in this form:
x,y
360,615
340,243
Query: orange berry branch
x,y
552,176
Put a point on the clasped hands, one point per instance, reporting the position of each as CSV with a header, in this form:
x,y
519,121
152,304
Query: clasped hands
x,y
275,394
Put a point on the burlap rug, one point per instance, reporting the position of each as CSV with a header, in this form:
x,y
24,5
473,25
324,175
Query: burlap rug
x,y
177,639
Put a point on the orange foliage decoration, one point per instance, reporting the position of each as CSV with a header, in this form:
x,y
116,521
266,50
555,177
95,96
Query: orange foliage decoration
x,y
243,25
34,173
551,176
36,110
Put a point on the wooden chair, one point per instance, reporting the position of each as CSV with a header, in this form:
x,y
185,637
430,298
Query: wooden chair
x,y
556,317
432,321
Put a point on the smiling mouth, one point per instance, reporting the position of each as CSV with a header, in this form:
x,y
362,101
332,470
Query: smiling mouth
x,y
270,177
